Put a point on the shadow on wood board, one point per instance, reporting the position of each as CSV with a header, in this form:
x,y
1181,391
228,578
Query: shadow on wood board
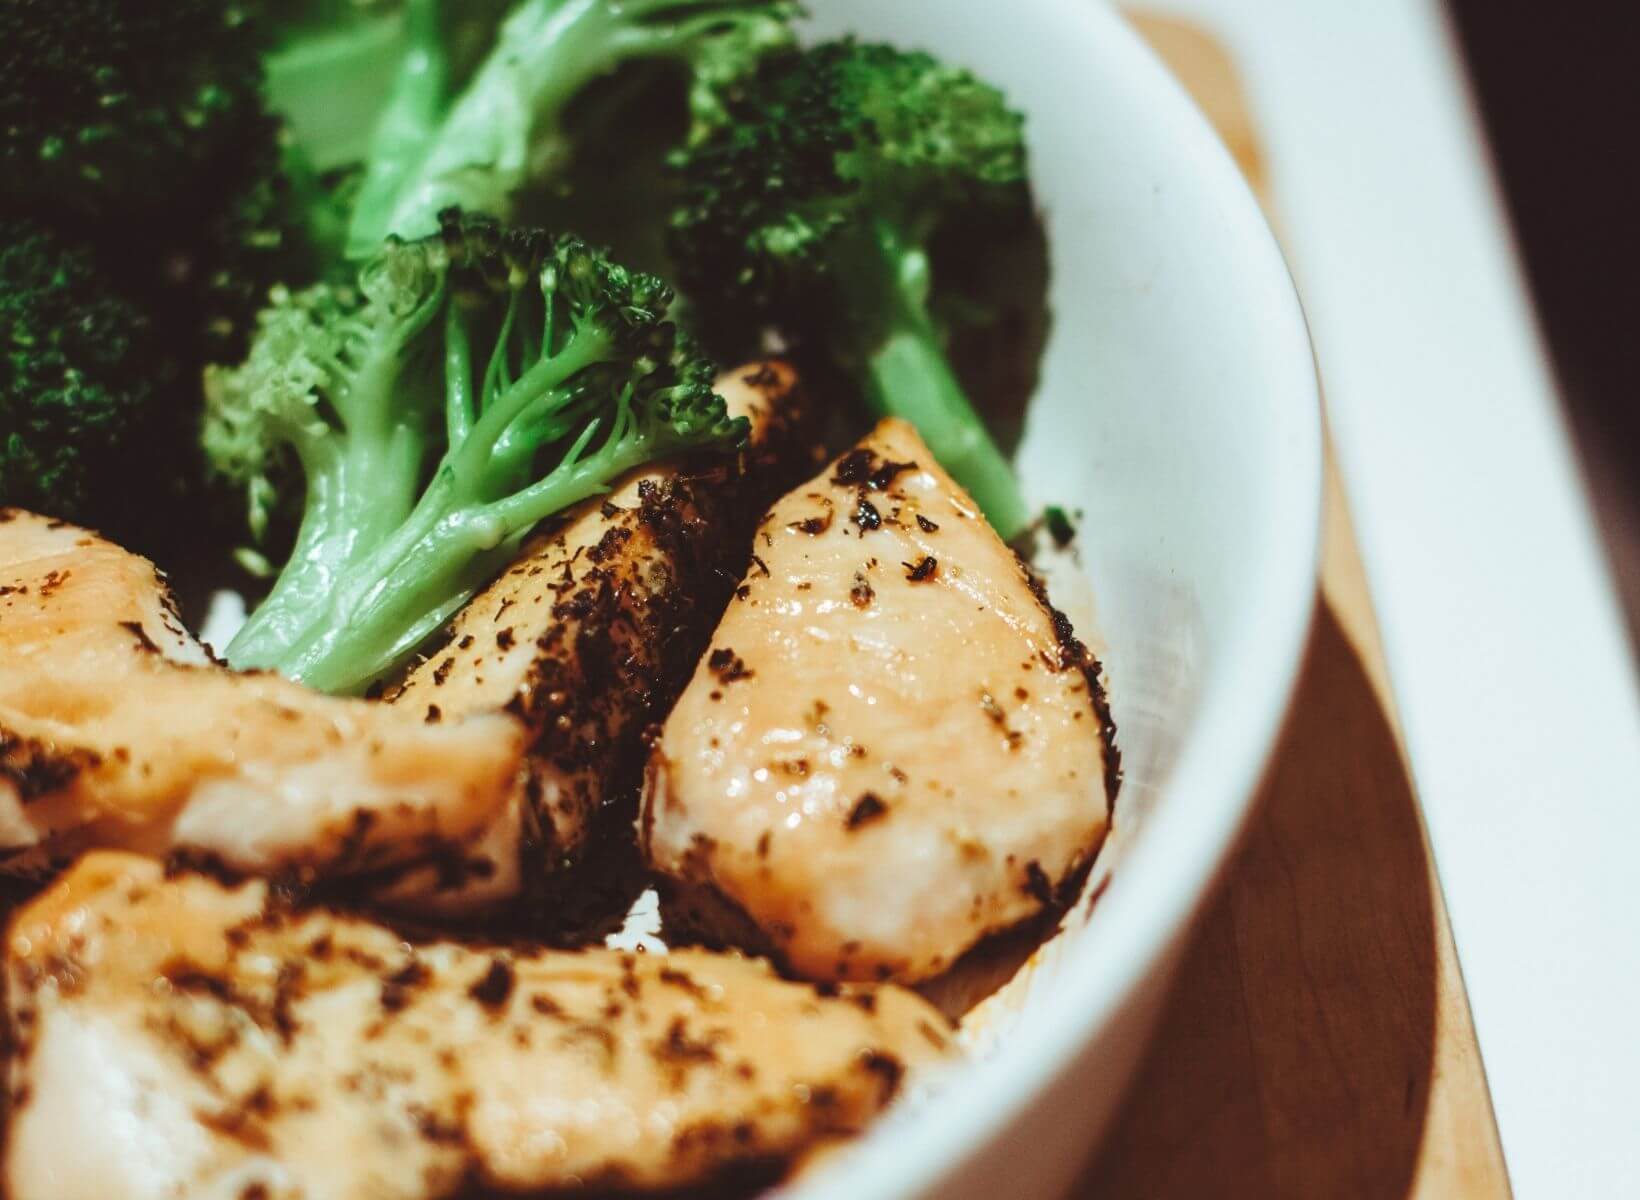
x,y
1260,1081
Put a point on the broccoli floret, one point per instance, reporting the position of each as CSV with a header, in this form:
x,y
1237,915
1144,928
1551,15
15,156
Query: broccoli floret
x,y
136,147
328,391
110,105
533,368
138,127
813,206
210,269
507,130
82,385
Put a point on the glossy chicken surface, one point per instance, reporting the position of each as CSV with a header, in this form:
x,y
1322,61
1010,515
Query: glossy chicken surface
x,y
117,730
176,1038
594,629
894,747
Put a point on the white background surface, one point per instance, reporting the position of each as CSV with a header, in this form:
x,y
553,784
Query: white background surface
x,y
1513,677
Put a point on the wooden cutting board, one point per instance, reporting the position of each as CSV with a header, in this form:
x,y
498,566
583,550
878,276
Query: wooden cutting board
x,y
1318,1042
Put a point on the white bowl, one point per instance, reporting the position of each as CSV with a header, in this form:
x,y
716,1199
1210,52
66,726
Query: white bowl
x,y
1179,410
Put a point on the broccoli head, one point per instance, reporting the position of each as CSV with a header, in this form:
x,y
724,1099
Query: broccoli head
x,y
264,222
82,385
814,205
471,384
107,105
138,128
149,187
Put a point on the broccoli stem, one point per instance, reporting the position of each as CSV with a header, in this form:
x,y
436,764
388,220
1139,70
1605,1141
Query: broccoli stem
x,y
358,491
410,578
501,132
354,500
458,377
399,593
449,548
908,375
480,156
279,618
332,86
408,123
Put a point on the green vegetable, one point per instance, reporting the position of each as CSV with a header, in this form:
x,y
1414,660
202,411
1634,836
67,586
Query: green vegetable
x,y
1059,525
509,128
813,206
262,220
329,67
81,383
333,65
416,102
111,105
533,369
147,184
122,115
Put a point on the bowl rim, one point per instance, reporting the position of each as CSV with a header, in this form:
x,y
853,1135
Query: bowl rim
x,y
1149,906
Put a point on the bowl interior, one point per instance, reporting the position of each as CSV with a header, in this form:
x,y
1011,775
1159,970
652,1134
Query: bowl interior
x,y
1178,411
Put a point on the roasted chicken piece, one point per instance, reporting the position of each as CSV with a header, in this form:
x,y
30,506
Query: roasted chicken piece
x,y
895,745
173,1037
117,729
596,627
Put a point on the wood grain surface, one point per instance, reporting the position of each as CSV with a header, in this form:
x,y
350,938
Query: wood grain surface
x,y
1318,1042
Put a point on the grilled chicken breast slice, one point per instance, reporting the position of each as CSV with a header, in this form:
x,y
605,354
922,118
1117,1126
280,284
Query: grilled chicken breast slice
x,y
894,747
118,730
594,629
174,1037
